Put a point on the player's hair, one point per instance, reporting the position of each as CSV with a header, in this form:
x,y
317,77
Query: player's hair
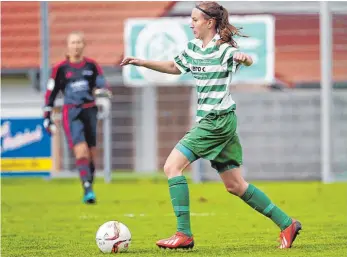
x,y
78,33
212,10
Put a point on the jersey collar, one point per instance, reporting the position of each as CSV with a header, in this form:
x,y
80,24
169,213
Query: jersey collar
x,y
212,43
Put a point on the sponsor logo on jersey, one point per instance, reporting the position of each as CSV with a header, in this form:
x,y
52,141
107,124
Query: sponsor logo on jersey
x,y
199,69
68,74
81,85
87,72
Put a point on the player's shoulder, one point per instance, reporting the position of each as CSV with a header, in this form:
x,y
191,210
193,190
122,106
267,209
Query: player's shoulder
x,y
59,68
94,65
90,60
60,64
227,47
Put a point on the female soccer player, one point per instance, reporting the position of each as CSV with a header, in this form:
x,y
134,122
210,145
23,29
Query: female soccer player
x,y
212,58
77,77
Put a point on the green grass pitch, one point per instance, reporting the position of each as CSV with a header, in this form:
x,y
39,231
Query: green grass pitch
x,y
47,218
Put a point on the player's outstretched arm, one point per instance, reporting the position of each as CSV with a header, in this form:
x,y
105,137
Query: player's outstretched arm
x,y
161,66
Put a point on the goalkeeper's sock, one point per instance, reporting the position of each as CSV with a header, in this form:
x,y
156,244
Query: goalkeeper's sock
x,y
261,203
92,171
85,174
179,194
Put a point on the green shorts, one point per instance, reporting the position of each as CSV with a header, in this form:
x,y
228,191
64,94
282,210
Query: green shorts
x,y
215,139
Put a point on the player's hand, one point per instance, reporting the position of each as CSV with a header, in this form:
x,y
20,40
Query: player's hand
x,y
243,58
132,60
49,125
102,92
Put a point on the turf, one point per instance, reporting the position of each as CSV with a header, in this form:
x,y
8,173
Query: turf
x,y
47,218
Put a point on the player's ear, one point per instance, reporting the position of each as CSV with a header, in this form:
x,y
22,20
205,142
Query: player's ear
x,y
210,23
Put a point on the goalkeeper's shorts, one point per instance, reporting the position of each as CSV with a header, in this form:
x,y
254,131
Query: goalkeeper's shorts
x,y
80,124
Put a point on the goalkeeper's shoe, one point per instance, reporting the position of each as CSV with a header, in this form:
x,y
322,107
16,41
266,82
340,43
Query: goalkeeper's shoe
x,y
288,235
89,198
177,241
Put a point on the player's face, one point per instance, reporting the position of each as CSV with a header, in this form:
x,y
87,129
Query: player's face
x,y
199,24
75,45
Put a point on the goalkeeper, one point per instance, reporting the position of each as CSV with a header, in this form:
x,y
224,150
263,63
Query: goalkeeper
x,y
79,79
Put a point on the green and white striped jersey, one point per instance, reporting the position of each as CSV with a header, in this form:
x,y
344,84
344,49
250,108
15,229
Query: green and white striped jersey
x,y
212,69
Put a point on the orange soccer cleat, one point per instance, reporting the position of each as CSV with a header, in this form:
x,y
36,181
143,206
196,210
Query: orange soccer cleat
x,y
177,241
288,235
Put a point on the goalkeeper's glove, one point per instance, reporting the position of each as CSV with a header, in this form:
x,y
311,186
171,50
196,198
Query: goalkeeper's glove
x,y
103,92
48,124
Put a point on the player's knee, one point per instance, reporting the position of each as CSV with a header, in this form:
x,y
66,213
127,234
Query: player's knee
x,y
171,170
82,155
232,189
81,151
235,188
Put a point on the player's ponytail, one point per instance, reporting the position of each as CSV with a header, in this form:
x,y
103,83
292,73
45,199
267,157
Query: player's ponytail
x,y
225,30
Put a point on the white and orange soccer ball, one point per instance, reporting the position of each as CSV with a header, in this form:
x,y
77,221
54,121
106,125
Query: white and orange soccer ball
x,y
113,237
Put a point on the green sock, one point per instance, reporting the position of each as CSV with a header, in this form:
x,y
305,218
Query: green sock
x,y
261,203
179,194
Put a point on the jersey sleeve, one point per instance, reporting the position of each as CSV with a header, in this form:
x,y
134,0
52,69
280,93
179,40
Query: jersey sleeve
x,y
100,80
53,87
228,62
181,62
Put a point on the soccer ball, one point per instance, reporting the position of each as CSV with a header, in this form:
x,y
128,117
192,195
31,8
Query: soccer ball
x,y
113,237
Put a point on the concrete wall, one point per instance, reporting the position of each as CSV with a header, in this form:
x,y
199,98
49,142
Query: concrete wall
x,y
280,134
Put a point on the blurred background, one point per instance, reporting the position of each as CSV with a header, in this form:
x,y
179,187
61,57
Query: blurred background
x,y
279,111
